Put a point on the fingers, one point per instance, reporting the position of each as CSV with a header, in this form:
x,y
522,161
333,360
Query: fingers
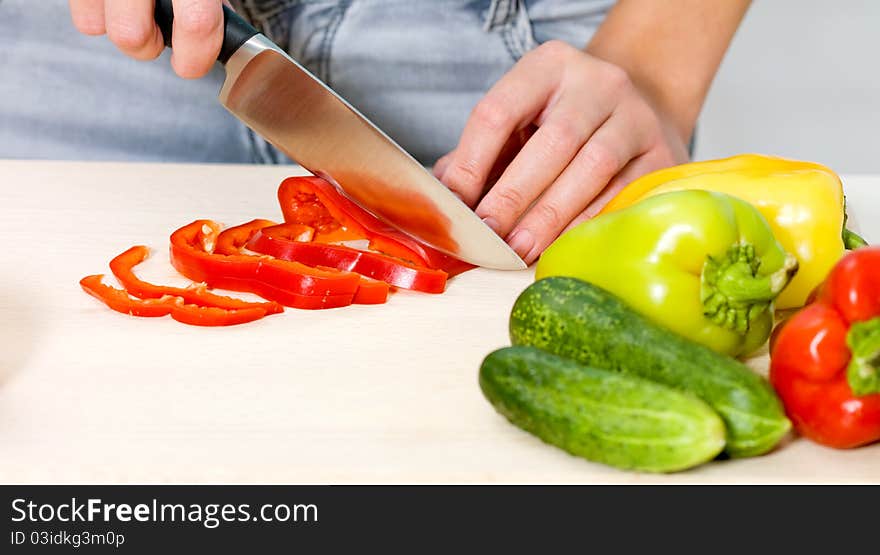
x,y
514,102
88,16
131,28
197,36
655,159
508,153
606,153
539,162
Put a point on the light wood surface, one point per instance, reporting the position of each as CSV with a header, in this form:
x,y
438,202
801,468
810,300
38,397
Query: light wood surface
x,y
364,394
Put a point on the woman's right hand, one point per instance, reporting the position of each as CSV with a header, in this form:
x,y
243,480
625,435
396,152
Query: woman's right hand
x,y
197,34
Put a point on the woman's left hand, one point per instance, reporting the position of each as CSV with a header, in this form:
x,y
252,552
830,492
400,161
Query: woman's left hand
x,y
594,132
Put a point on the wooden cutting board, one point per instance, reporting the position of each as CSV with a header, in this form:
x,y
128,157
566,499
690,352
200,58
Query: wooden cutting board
x,y
364,394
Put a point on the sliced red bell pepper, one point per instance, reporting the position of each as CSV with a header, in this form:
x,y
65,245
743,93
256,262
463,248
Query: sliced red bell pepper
x,y
302,200
120,301
213,316
123,269
371,291
825,360
192,314
277,241
300,204
233,239
289,283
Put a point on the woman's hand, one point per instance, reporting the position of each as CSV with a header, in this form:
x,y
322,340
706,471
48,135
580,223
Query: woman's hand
x,y
594,132
197,35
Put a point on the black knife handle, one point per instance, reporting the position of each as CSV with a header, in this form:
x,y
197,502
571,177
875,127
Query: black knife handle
x,y
236,31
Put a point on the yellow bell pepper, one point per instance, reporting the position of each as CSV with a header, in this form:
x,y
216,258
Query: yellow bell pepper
x,y
802,201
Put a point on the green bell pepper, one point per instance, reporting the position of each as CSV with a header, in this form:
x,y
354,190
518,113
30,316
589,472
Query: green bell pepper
x,y
703,264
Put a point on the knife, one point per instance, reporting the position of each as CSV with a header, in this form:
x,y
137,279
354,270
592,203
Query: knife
x,y
301,116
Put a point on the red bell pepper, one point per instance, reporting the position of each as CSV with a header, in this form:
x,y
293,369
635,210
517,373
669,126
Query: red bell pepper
x,y
316,202
233,239
123,269
280,242
825,360
289,283
371,291
120,301
196,315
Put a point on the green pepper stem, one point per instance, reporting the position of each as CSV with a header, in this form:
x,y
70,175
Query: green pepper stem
x,y
863,372
733,293
852,241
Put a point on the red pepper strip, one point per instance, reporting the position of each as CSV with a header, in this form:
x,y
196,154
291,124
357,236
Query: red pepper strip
x,y
120,301
299,197
233,239
195,315
825,361
123,268
275,241
371,291
289,283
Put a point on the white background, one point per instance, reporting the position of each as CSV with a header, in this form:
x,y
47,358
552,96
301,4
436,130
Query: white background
x,y
801,79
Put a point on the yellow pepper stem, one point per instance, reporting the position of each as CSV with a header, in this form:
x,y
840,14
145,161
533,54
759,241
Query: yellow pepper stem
x,y
863,372
732,292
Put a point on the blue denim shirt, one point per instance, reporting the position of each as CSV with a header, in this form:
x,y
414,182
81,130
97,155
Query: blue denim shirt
x,y
415,67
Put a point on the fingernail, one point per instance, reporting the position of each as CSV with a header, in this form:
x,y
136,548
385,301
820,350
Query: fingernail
x,y
490,221
522,241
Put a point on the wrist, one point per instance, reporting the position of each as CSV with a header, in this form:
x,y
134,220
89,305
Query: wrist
x,y
671,50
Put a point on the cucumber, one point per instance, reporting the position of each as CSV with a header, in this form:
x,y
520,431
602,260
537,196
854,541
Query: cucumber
x,y
583,322
603,416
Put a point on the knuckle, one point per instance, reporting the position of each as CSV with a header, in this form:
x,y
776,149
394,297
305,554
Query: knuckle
x,y
492,114
199,19
550,215
565,137
463,176
129,34
615,77
603,160
509,200
555,49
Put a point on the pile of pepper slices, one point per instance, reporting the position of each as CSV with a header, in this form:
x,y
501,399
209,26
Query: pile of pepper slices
x,y
302,263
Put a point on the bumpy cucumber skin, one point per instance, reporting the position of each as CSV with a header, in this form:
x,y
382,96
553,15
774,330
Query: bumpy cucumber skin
x,y
602,416
583,322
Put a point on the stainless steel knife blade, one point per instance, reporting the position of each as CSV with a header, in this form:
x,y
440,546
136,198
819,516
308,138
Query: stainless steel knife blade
x,y
292,109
